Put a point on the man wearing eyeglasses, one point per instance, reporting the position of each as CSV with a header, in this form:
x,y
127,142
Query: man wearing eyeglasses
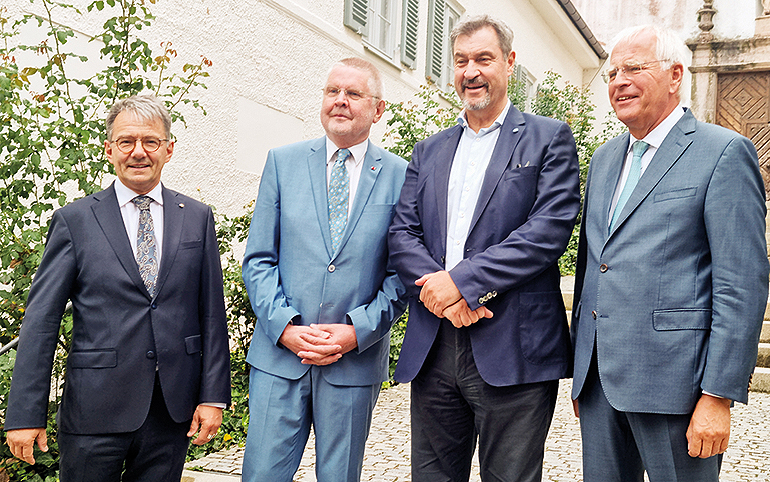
x,y
316,270
149,363
672,278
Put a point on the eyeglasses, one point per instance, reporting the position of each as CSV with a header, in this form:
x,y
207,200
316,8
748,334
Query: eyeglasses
x,y
630,69
353,95
127,144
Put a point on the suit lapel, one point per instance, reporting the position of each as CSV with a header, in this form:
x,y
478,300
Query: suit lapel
x,y
107,214
370,170
316,161
510,133
670,151
442,168
173,220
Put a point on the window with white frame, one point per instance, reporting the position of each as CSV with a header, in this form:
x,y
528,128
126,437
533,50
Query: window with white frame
x,y
378,22
443,15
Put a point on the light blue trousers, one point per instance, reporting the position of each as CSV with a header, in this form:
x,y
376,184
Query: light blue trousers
x,y
281,412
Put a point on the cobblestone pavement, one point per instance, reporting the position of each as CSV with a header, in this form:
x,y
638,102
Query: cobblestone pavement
x,y
387,452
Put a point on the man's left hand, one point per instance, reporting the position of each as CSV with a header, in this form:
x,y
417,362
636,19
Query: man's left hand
x,y
709,430
207,419
438,292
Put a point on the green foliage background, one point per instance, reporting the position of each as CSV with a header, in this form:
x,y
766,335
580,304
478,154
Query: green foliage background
x,y
51,152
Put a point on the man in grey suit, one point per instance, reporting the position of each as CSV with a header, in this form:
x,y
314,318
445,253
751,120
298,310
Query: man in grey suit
x,y
316,270
149,364
672,278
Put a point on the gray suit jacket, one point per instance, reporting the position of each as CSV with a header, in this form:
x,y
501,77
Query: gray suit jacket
x,y
672,300
120,334
291,271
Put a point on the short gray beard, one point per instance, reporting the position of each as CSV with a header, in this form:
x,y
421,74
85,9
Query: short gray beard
x,y
480,105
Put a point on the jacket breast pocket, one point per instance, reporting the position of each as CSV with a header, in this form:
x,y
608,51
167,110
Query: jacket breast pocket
x,y
196,243
192,344
93,359
675,194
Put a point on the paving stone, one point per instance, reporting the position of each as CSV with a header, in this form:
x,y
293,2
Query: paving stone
x,y
387,452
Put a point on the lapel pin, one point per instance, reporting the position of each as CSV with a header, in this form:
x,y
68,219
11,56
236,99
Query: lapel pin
x,y
515,130
374,168
181,205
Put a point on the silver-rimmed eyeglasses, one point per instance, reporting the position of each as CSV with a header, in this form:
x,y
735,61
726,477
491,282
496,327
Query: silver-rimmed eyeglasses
x,y
353,95
629,69
127,144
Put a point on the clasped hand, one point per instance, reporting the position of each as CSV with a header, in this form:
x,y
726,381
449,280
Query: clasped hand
x,y
441,297
319,344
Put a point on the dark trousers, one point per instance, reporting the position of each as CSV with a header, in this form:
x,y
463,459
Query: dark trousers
x,y
620,446
452,407
154,453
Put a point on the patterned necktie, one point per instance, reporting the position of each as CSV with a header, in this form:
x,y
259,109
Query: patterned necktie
x,y
146,257
339,190
639,148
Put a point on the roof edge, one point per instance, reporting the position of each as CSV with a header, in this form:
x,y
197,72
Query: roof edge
x,y
577,20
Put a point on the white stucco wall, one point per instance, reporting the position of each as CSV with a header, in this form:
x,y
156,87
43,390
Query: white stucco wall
x,y
270,61
734,18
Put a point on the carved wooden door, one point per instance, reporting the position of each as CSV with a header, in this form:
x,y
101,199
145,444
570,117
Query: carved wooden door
x,y
743,105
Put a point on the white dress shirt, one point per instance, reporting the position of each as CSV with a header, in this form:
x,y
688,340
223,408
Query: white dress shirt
x,y
353,164
130,214
465,178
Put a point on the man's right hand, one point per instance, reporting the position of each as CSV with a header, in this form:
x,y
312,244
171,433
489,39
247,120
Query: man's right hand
x,y
316,345
22,441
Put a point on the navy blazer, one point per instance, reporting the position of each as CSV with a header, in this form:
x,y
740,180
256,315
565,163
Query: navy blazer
x,y
120,334
672,300
523,219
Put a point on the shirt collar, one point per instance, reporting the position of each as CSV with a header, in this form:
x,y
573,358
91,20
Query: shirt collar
x,y
358,151
495,125
125,195
656,136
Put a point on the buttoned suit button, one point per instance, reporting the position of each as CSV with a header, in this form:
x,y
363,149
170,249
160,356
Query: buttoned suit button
x,y
150,354
593,314
154,306
603,268
332,268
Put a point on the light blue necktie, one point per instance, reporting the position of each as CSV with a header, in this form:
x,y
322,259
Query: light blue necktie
x,y
339,191
639,148
146,257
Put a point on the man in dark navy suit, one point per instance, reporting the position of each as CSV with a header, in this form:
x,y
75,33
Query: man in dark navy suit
x,y
149,362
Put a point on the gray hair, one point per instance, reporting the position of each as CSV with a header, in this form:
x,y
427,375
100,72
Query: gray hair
x,y
144,107
475,23
375,79
670,50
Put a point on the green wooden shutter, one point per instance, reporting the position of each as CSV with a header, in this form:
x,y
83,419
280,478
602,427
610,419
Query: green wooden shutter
x,y
410,22
434,67
355,15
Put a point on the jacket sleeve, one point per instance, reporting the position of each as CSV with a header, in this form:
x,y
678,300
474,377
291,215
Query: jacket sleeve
x,y
260,263
734,214
215,376
51,288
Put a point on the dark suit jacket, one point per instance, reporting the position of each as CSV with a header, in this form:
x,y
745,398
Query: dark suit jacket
x,y
672,299
523,219
119,333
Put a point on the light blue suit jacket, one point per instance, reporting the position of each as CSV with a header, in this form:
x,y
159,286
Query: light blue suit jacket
x,y
673,298
291,271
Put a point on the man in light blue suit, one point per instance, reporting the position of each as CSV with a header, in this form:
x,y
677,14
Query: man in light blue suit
x,y
316,270
672,278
